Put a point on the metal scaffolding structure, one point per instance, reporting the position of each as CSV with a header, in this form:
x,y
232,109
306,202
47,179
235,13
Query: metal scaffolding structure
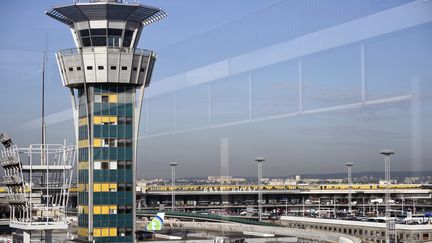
x,y
38,179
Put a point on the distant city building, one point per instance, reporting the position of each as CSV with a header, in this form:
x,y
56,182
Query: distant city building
x,y
383,182
150,182
336,180
282,182
225,179
311,181
412,180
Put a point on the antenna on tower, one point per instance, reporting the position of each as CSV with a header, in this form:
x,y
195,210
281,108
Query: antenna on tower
x,y
43,126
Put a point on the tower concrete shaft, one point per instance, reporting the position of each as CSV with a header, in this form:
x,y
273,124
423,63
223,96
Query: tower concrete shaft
x,y
106,75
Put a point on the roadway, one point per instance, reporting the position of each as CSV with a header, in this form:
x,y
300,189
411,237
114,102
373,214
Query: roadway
x,y
331,230
240,224
206,217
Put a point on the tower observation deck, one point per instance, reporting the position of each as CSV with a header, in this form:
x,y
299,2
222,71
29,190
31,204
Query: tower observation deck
x,y
106,75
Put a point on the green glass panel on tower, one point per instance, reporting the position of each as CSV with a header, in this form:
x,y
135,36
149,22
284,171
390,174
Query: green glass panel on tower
x,y
106,75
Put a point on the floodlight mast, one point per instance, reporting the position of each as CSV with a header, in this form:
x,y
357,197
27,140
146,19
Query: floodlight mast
x,y
173,165
260,161
390,224
349,165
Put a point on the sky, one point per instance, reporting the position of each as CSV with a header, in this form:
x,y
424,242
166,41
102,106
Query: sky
x,y
198,34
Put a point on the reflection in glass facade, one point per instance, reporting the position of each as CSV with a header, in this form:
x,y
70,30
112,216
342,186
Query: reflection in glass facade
x,y
275,76
339,78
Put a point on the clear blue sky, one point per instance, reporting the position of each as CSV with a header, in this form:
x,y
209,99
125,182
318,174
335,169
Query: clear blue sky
x,y
198,33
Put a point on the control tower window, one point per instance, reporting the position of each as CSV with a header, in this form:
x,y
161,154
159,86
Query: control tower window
x,y
86,41
114,41
84,33
114,37
99,41
106,37
115,32
128,33
85,37
98,37
127,42
127,38
98,32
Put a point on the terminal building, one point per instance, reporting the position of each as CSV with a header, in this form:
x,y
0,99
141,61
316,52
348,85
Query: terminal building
x,y
106,74
365,197
366,231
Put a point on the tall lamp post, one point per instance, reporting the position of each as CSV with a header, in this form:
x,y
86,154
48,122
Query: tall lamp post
x,y
349,165
390,224
173,165
259,161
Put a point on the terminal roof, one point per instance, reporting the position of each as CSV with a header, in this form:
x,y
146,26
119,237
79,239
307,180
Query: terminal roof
x,y
72,13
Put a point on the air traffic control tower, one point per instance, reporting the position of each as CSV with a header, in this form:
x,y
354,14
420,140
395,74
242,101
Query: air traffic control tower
x,y
106,75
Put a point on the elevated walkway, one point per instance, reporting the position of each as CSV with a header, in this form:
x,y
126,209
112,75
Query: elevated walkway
x,y
236,224
206,217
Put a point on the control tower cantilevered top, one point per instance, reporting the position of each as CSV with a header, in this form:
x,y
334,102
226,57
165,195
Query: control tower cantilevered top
x,y
106,75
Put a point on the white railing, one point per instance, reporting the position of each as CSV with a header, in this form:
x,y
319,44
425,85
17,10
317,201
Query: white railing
x,y
108,49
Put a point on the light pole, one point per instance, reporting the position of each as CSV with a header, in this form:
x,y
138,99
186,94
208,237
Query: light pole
x,y
414,207
349,165
259,161
364,208
173,165
403,201
390,224
303,202
334,207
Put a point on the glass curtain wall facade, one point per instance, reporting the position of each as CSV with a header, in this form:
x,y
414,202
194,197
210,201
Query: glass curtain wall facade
x,y
109,157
